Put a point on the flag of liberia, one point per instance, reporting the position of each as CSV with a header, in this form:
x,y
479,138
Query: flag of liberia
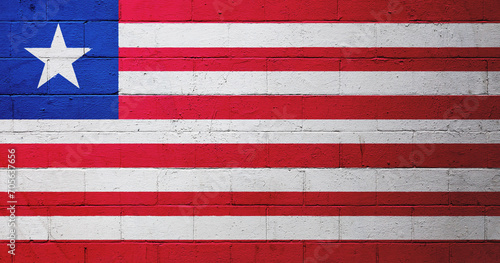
x,y
250,131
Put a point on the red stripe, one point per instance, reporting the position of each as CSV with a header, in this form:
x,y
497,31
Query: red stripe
x,y
304,64
494,65
492,210
426,10
254,198
311,52
253,210
401,198
309,107
169,241
246,251
300,10
255,155
414,65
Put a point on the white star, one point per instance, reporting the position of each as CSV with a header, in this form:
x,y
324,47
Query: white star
x,y
58,59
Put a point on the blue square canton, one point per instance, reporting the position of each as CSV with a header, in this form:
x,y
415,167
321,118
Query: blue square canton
x,y
59,59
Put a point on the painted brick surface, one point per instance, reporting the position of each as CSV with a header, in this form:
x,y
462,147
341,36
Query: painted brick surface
x,y
250,131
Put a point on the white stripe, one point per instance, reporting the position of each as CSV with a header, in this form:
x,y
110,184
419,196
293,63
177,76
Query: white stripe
x,y
494,79
304,83
247,125
492,227
254,180
255,228
415,228
308,35
303,227
230,228
434,137
157,227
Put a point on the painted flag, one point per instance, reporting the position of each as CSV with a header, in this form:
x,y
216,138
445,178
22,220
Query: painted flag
x,y
250,131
